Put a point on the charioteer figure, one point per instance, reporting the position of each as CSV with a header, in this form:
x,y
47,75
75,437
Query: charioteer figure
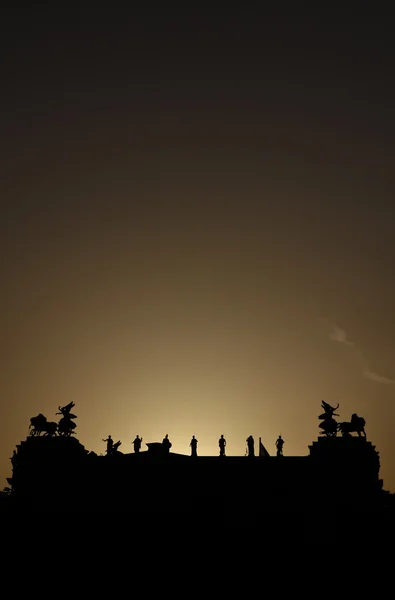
x,y
329,425
66,425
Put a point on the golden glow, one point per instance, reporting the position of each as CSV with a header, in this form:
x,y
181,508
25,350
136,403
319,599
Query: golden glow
x,y
173,240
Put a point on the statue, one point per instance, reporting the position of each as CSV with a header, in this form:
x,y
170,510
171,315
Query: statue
x,y
222,445
356,424
329,424
166,443
137,444
14,458
39,424
193,446
279,445
110,444
250,446
115,447
66,425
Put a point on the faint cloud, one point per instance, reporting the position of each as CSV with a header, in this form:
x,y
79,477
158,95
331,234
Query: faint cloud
x,y
378,378
339,336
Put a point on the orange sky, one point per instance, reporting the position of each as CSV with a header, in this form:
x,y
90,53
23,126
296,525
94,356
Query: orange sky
x,y
197,242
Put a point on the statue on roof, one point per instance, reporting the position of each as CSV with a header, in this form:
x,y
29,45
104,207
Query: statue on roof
x,y
40,424
329,425
222,445
66,425
137,443
116,446
357,425
193,444
166,443
110,444
250,446
279,445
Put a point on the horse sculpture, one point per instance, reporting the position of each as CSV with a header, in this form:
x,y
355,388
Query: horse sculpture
x,y
115,448
39,424
357,424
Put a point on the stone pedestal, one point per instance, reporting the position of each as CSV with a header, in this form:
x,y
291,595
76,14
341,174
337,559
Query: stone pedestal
x,y
345,468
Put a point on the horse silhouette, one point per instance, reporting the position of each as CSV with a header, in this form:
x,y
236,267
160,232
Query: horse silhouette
x,y
39,424
115,448
357,424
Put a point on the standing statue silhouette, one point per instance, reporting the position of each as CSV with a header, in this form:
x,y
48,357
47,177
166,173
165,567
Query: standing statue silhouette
x,y
110,444
250,445
193,446
222,445
166,443
279,445
137,444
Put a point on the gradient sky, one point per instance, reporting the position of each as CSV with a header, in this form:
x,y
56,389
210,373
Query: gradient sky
x,y
197,232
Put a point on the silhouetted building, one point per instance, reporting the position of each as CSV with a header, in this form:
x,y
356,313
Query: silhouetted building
x,y
339,477
344,469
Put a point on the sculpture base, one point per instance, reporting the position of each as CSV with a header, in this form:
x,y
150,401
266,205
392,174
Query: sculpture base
x,y
349,464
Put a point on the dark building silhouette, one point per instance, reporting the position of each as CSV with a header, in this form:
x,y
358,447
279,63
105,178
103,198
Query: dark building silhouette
x,y
338,477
